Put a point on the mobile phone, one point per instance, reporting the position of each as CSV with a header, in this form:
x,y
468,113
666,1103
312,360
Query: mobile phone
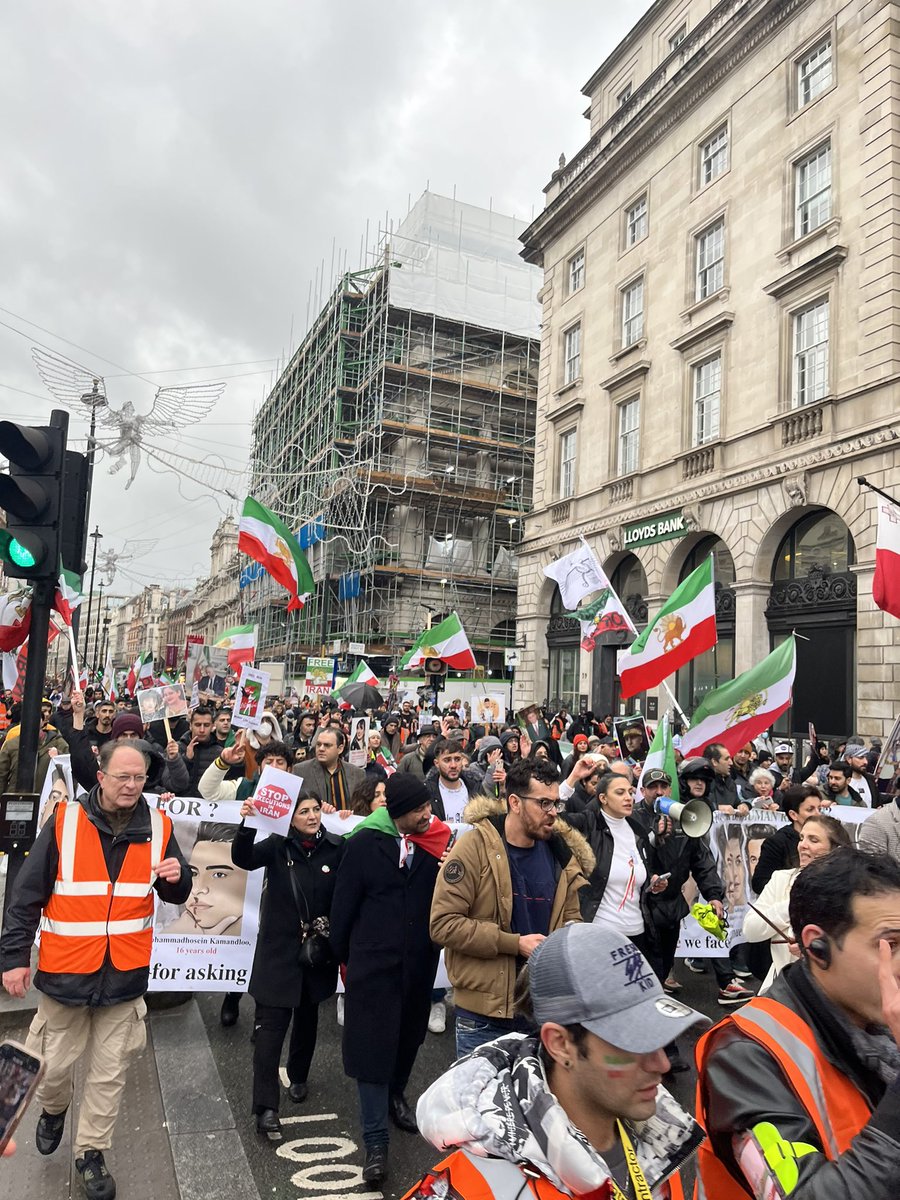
x,y
20,1074
668,875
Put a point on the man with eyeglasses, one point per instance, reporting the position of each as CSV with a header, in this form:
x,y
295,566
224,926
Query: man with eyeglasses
x,y
508,883
88,884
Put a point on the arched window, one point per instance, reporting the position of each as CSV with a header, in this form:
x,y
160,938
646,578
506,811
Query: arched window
x,y
814,593
630,585
715,666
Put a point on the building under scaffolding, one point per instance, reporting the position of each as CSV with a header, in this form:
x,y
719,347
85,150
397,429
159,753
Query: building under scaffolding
x,y
399,442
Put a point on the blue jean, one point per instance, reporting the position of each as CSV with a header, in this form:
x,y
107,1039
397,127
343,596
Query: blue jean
x,y
474,1030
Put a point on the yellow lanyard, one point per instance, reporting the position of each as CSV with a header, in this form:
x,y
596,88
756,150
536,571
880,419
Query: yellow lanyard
x,y
638,1182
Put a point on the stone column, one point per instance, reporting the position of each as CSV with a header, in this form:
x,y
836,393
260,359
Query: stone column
x,y
751,632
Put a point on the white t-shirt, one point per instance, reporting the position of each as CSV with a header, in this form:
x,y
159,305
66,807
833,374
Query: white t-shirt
x,y
620,907
455,800
861,786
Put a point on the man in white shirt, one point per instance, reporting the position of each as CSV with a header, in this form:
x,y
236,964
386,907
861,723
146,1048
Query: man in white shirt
x,y
861,781
448,782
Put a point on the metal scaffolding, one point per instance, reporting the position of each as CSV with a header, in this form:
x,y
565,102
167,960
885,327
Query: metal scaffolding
x,y
405,434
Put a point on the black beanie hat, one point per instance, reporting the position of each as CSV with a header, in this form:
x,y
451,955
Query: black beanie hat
x,y
403,793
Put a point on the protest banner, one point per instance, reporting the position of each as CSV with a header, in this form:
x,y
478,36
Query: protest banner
x,y
250,700
162,703
58,785
205,672
735,843
487,709
274,799
319,676
208,943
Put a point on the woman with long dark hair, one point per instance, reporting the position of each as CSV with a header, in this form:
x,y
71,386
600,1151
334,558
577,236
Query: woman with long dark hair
x,y
293,970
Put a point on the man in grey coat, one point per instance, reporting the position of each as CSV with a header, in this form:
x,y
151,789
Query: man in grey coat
x,y
327,777
880,833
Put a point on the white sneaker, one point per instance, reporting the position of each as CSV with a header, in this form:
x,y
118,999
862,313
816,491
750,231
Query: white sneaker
x,y
437,1020
340,1009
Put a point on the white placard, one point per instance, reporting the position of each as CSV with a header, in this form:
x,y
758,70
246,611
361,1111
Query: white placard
x,y
275,798
250,698
487,709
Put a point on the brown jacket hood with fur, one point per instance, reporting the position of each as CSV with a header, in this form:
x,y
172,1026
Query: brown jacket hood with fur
x,y
471,913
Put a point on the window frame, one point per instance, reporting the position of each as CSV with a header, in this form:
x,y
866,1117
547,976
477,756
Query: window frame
x,y
625,95
675,40
625,290
722,125
799,104
575,329
623,468
795,313
696,369
642,197
572,288
800,208
567,467
699,295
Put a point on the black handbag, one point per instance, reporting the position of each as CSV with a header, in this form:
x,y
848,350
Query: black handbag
x,y
315,948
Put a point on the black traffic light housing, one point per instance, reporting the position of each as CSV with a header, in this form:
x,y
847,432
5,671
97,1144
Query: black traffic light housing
x,y
31,496
73,525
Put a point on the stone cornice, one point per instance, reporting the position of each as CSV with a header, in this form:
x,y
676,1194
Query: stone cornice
x,y
716,324
828,260
741,481
604,166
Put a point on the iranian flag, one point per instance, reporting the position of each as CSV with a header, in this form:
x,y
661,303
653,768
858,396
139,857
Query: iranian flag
x,y
362,673
604,614
266,539
68,594
738,711
660,757
385,759
108,682
141,673
15,618
447,642
240,642
886,584
684,628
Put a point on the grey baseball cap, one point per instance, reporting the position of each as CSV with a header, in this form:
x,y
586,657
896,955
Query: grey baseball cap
x,y
854,750
592,976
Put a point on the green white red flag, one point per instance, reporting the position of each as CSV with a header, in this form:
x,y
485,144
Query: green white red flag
x,y
265,538
15,618
240,642
660,757
68,594
604,614
886,581
362,673
446,641
108,683
385,759
684,627
738,711
140,674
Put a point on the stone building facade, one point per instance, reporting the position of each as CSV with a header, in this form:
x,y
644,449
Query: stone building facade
x,y
215,600
721,349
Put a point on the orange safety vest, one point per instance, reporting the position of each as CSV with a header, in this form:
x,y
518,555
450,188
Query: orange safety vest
x,y
475,1178
4,717
835,1106
86,912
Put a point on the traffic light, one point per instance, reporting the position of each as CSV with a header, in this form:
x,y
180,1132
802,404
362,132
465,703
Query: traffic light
x,y
31,496
76,499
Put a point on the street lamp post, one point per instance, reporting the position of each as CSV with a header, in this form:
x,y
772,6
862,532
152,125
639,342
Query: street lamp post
x,y
96,535
95,400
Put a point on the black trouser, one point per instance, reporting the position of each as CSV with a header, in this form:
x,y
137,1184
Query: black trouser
x,y
374,1098
272,1025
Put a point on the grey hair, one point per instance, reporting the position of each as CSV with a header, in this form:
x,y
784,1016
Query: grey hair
x,y
761,773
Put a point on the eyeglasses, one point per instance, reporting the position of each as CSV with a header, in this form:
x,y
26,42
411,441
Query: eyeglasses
x,y
547,806
123,779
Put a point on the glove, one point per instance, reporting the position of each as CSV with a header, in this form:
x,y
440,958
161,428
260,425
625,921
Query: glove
x,y
706,917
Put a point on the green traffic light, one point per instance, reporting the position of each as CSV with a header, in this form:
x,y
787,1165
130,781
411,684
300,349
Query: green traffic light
x,y
20,555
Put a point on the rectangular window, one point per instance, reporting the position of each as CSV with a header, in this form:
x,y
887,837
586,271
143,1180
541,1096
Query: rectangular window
x,y
576,272
707,399
636,221
812,185
572,347
633,312
678,37
710,259
567,464
810,354
629,435
714,155
624,96
814,72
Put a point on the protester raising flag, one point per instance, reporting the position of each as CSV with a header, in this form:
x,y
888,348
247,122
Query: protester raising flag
x,y
266,539
684,628
446,641
660,757
240,642
15,619
68,595
886,584
737,711
140,673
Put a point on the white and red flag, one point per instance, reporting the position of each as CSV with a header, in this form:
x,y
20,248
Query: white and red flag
x,y
140,674
886,584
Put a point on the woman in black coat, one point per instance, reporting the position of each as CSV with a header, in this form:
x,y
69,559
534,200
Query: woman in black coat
x,y
282,988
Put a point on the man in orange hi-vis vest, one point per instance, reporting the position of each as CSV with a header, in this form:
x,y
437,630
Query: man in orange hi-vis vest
x,y
88,885
577,1108
800,1091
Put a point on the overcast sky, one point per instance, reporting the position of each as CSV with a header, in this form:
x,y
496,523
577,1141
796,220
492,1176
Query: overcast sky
x,y
174,173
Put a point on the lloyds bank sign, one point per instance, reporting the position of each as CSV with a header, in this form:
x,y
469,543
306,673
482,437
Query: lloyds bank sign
x,y
656,529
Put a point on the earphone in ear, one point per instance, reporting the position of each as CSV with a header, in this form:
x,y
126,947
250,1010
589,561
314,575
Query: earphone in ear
x,y
820,949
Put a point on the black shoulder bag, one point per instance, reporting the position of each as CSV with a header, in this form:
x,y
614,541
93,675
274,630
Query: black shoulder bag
x,y
315,948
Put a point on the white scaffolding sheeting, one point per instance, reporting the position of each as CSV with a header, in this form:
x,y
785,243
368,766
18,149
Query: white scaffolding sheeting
x,y
462,262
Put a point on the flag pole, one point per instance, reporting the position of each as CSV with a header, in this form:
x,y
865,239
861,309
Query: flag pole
x,y
863,482
677,706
